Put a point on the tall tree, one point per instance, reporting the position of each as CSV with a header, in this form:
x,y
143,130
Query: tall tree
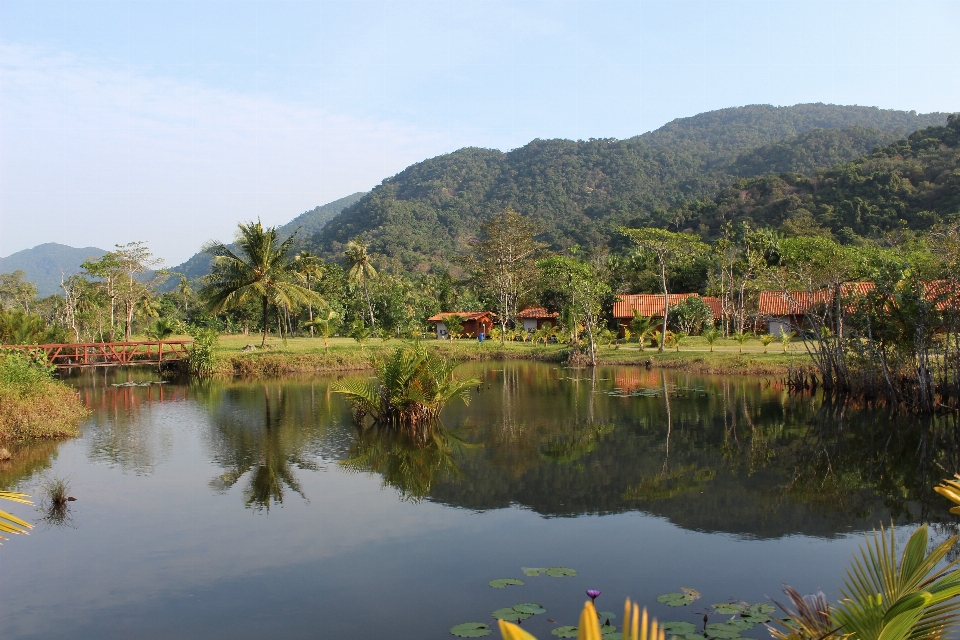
x,y
505,261
122,274
361,269
14,291
310,268
585,292
261,269
669,248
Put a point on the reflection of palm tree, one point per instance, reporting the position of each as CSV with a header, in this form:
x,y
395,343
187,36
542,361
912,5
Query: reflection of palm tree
x,y
268,455
261,272
409,468
361,270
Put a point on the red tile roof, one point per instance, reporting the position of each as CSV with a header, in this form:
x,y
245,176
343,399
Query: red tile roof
x,y
651,304
716,306
464,315
537,312
794,303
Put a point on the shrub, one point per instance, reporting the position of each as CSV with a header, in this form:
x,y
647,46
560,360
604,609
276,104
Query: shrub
x,y
202,360
32,403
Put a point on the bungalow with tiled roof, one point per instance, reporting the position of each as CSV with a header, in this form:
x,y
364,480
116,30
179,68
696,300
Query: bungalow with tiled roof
x,y
651,305
534,318
474,323
785,311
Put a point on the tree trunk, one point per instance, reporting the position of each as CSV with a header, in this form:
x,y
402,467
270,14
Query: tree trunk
x,y
666,303
265,310
366,293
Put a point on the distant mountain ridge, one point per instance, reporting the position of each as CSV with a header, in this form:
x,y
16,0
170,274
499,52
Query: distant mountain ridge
x,y
308,222
580,190
44,264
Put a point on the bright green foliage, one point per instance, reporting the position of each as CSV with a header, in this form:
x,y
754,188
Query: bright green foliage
x,y
202,358
712,335
643,326
20,327
785,338
260,269
24,368
360,332
691,315
361,271
412,385
327,322
741,337
161,329
765,340
882,598
454,326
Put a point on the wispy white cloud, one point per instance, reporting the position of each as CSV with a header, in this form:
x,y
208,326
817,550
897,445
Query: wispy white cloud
x,y
97,154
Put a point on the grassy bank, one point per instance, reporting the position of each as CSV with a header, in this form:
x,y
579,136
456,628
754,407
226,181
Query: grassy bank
x,y
307,355
33,404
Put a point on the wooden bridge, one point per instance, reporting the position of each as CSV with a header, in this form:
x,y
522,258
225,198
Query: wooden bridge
x,y
109,354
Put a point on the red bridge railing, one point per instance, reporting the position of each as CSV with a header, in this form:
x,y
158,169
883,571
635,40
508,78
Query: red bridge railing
x,y
105,354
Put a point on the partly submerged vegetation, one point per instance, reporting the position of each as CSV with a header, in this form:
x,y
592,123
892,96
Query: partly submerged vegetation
x,y
32,403
412,386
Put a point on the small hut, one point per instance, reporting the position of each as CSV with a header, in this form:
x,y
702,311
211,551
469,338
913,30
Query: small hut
x,y
474,323
535,318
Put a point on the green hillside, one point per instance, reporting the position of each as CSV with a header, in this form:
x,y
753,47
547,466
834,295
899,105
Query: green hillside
x,y
912,183
308,222
580,190
44,264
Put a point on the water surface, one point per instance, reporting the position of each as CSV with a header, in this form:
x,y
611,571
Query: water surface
x,y
248,509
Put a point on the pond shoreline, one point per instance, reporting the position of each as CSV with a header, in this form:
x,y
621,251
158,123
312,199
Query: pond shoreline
x,y
279,361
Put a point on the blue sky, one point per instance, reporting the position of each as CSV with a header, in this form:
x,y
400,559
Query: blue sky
x,y
171,121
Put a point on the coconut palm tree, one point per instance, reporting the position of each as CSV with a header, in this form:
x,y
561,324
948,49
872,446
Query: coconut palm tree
x,y
310,268
361,269
259,270
10,523
642,326
326,323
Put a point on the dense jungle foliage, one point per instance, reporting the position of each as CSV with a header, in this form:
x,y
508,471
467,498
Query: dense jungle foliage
x,y
579,191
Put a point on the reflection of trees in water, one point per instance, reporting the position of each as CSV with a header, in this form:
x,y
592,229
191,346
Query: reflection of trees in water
x,y
26,460
409,466
122,431
708,453
851,451
263,435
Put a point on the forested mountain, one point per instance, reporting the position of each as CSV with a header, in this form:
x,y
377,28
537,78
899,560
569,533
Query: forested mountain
x,y
913,183
580,190
44,264
308,222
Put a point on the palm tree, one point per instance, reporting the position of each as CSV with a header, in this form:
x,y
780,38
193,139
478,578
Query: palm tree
x,y
310,268
326,323
260,271
361,270
184,289
643,326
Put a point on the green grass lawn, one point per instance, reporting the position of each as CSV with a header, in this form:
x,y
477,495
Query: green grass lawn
x,y
307,355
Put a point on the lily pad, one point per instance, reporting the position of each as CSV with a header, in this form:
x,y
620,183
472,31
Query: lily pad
x,y
742,623
678,628
755,618
532,571
529,607
694,636
610,635
728,608
679,599
471,630
722,630
606,615
761,608
560,572
510,614
565,632
692,594
501,583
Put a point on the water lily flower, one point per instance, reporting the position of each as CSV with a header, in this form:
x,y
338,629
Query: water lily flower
x,y
594,594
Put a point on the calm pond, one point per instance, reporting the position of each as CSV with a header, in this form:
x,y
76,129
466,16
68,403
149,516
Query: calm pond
x,y
252,509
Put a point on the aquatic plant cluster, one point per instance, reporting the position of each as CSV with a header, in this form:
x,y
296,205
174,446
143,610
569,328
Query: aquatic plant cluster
x,y
412,387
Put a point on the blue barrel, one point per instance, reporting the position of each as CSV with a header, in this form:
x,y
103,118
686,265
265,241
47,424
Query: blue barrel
x,y
480,337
